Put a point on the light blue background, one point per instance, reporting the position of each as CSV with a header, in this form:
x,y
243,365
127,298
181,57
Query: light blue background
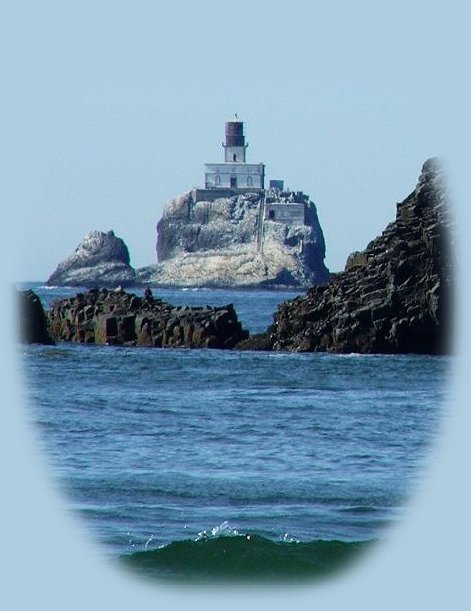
x,y
381,87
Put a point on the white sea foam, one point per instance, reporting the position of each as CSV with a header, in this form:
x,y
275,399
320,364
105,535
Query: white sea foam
x,y
222,530
287,538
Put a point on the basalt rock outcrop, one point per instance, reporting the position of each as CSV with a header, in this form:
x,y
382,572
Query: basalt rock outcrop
x,y
393,297
229,242
33,325
100,260
101,316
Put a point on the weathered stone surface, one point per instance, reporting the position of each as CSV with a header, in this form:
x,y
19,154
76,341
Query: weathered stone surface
x,y
33,327
394,297
228,243
116,317
258,341
101,259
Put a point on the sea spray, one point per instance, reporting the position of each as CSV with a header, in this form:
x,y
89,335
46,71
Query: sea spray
x,y
247,558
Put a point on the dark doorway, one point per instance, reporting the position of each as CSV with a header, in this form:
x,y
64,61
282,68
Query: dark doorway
x,y
233,182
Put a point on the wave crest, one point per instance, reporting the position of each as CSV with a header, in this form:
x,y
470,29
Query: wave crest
x,y
224,555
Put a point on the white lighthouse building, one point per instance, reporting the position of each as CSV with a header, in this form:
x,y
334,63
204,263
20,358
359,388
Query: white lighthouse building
x,y
234,176
234,172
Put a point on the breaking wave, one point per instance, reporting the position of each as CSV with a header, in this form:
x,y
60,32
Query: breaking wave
x,y
224,555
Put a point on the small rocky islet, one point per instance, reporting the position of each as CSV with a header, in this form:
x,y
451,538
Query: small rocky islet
x,y
101,316
101,259
393,297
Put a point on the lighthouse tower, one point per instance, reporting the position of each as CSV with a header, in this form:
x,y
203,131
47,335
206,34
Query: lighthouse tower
x,y
235,173
234,147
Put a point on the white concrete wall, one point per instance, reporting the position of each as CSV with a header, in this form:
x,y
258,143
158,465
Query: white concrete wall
x,y
238,151
219,174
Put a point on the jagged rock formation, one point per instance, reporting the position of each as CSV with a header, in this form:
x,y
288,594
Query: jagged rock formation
x,y
394,297
33,326
228,243
121,318
101,259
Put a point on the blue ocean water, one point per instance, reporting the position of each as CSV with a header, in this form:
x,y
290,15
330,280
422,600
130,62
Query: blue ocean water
x,y
156,448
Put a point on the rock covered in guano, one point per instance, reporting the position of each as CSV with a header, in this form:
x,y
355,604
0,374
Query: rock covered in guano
x,y
234,242
393,297
100,260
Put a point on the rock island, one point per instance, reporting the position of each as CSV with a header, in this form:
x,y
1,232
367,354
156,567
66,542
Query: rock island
x,y
233,233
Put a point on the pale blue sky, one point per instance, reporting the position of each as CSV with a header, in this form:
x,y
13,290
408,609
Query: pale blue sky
x,y
116,110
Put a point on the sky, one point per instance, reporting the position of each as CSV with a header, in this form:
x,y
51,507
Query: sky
x,y
111,113
111,108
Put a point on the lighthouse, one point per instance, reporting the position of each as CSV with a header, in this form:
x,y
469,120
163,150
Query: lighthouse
x,y
234,146
235,173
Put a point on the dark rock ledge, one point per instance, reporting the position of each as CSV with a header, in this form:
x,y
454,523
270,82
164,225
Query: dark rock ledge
x,y
101,316
394,297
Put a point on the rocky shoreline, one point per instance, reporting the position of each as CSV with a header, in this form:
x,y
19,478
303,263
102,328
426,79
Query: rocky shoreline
x,y
117,317
393,297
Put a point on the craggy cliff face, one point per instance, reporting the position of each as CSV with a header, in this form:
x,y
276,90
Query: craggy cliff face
x,y
394,297
227,242
186,227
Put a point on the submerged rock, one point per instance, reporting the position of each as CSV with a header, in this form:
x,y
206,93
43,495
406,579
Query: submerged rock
x,y
100,316
393,297
101,259
238,241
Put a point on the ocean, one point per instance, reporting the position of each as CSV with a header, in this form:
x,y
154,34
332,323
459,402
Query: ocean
x,y
211,465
